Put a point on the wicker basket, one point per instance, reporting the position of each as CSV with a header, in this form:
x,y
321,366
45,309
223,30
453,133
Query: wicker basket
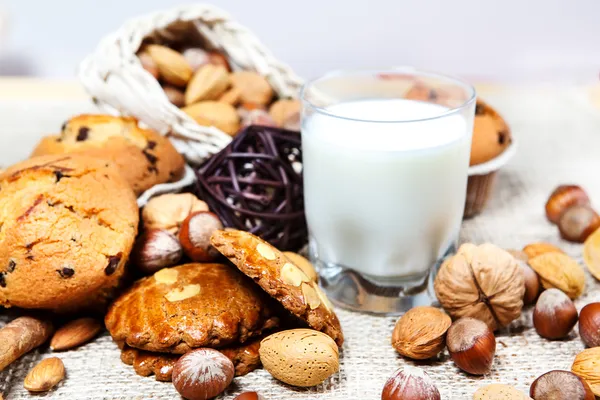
x,y
115,79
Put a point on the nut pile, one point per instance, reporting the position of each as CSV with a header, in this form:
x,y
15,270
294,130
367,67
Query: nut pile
x,y
204,85
570,209
483,289
174,225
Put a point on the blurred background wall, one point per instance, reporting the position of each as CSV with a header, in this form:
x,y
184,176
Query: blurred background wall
x,y
513,40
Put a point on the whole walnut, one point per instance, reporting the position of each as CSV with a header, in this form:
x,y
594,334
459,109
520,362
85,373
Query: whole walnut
x,y
482,282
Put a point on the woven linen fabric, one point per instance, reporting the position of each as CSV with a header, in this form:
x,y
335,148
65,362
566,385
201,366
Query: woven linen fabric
x,y
558,131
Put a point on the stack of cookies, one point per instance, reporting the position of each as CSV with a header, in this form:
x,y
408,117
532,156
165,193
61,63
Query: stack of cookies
x,y
228,306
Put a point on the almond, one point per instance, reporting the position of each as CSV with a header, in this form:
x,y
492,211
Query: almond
x,y
208,83
172,66
285,110
213,113
535,249
75,333
44,376
232,96
254,87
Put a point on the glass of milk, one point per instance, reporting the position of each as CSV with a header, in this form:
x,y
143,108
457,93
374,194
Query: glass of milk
x,y
385,180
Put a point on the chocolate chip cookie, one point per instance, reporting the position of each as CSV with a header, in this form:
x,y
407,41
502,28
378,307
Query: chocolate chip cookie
x,y
144,157
279,277
491,134
193,305
67,226
245,359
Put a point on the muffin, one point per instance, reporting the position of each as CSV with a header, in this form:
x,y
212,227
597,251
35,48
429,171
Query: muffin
x,y
68,223
491,134
144,157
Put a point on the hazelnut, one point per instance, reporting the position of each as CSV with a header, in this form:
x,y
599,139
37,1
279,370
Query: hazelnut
x,y
175,95
466,281
532,284
558,270
202,374
554,315
578,223
195,233
589,325
535,249
156,249
421,333
587,367
148,64
497,391
471,345
410,383
168,211
249,396
560,385
562,198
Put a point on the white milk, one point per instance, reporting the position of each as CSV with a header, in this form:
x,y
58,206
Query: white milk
x,y
383,198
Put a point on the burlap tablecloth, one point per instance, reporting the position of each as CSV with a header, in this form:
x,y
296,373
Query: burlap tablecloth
x,y
559,141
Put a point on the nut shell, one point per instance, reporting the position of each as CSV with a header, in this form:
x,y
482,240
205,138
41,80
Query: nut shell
x,y
560,385
562,198
202,374
554,315
482,282
421,333
300,357
589,325
578,223
587,367
471,345
249,396
410,383
557,270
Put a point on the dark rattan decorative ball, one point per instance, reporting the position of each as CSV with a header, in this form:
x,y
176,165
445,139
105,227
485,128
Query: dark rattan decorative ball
x,y
255,184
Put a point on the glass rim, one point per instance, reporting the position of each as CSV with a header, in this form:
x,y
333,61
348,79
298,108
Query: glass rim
x,y
407,70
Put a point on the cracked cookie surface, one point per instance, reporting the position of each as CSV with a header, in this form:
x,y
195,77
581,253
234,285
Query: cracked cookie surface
x,y
193,305
144,157
67,226
245,359
279,277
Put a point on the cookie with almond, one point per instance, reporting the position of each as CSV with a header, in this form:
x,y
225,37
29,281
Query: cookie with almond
x,y
281,278
193,305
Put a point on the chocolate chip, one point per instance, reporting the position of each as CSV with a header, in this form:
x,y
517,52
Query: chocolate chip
x,y
152,159
479,109
30,257
113,263
64,126
502,137
82,134
151,144
2,281
73,239
66,272
11,265
433,96
153,170
59,175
